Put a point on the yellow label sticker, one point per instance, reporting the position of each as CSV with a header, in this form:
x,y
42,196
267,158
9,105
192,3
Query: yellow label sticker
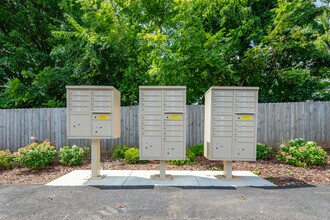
x,y
175,117
246,117
103,117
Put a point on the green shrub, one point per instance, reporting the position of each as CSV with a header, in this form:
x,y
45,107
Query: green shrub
x,y
190,158
119,151
6,160
132,156
264,152
72,156
198,149
299,152
36,155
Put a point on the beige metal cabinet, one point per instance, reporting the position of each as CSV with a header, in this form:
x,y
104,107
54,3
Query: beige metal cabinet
x,y
162,122
231,123
93,112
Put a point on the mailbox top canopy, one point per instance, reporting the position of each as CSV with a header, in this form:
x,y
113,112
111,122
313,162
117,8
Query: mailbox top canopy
x,y
162,87
90,87
232,88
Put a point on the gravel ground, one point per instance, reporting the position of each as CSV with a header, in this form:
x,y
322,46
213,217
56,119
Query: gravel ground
x,y
274,171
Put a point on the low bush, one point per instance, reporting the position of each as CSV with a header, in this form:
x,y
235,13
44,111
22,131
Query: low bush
x,y
190,158
132,156
72,156
119,151
264,152
36,155
299,152
198,149
6,160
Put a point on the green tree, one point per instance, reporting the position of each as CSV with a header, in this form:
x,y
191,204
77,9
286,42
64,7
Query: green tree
x,y
281,46
287,64
25,45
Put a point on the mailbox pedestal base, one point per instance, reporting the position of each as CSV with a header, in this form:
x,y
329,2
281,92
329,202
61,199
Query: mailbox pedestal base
x,y
228,169
162,172
96,156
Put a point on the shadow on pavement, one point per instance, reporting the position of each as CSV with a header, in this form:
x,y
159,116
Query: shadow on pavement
x,y
284,187
163,187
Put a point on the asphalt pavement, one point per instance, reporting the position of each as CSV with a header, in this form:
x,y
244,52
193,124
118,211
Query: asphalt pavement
x,y
163,202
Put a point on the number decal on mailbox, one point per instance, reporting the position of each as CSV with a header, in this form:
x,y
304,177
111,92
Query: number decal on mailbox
x,y
246,117
102,117
175,117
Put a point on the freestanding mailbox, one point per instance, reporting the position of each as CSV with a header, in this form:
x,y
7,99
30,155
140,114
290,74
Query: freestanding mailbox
x,y
231,125
93,112
162,124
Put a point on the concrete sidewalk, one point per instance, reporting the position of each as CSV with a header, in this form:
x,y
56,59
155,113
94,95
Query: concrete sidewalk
x,y
143,178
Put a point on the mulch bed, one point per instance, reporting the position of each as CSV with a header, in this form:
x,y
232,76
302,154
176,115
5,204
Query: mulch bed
x,y
273,170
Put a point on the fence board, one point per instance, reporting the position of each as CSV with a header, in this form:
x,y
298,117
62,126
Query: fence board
x,y
276,122
321,122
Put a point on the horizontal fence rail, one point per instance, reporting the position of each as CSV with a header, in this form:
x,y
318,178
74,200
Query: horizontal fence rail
x,y
277,122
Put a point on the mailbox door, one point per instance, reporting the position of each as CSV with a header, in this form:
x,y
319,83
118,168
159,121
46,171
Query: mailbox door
x,y
101,128
221,147
173,150
243,150
151,147
80,125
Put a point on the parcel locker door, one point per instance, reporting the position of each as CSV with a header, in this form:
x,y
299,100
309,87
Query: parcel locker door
x,y
102,129
151,147
79,125
174,150
221,147
244,151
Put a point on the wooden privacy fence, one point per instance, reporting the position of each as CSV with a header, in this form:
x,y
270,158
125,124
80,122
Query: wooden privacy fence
x,y
276,122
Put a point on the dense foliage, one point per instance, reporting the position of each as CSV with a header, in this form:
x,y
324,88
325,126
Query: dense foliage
x,y
36,155
119,151
281,46
73,156
301,153
131,155
6,160
197,149
264,152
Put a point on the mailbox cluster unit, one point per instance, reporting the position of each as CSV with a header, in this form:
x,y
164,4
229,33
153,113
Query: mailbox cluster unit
x,y
162,122
230,123
93,112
